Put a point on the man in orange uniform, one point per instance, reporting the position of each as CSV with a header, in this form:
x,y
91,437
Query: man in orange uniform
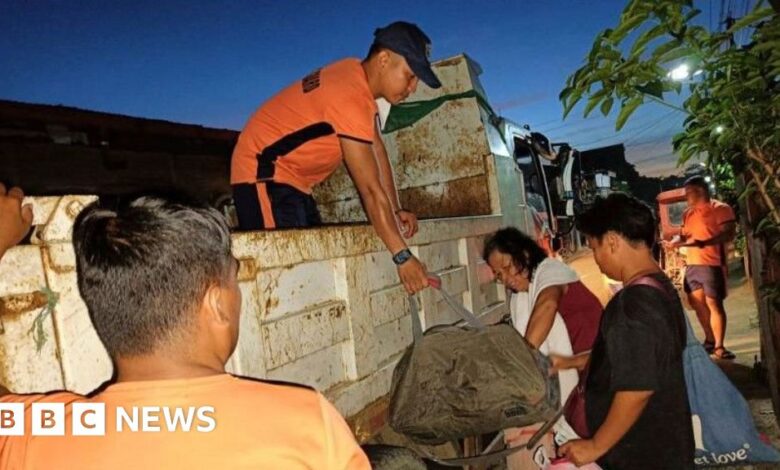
x,y
707,226
160,284
299,137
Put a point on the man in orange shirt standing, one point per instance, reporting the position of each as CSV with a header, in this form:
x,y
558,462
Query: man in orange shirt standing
x,y
159,281
707,226
299,137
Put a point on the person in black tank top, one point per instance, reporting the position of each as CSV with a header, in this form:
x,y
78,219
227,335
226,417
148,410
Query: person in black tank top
x,y
635,396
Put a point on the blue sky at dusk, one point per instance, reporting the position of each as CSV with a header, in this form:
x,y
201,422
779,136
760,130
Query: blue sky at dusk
x,y
213,63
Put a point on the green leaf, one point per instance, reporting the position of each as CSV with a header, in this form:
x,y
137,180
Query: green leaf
x,y
664,48
749,189
573,99
565,93
594,100
691,14
606,106
766,224
654,88
626,26
754,16
768,45
675,54
626,110
641,42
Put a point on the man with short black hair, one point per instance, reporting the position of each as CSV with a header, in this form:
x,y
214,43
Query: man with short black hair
x,y
635,395
707,226
299,137
161,287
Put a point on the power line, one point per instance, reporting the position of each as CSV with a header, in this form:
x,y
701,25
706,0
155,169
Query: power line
x,y
628,134
651,126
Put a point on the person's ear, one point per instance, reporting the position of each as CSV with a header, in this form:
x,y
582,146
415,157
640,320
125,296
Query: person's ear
x,y
613,241
384,58
215,304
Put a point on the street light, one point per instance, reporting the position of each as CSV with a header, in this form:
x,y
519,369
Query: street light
x,y
679,73
682,72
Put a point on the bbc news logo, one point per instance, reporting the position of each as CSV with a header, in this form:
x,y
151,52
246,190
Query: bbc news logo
x,y
89,419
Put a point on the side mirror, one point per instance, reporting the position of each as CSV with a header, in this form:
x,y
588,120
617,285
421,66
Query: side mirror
x,y
541,144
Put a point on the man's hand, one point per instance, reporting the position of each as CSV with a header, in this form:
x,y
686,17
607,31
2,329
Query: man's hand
x,y
15,220
675,242
559,363
414,275
408,222
581,451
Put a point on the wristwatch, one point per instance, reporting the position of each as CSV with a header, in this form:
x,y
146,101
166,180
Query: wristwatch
x,y
402,257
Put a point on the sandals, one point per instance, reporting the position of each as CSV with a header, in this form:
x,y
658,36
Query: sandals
x,y
708,346
722,353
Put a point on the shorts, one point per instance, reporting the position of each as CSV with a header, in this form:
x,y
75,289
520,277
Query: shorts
x,y
289,207
710,278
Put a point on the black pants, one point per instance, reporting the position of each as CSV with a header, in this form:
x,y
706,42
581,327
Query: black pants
x,y
290,208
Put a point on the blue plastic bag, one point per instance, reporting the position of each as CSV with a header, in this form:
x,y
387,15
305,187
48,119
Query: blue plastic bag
x,y
723,427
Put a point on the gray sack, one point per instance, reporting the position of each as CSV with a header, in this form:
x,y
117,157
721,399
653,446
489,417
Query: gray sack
x,y
459,381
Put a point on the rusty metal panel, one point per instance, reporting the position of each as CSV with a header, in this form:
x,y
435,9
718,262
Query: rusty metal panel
x,y
292,289
456,198
393,337
291,338
440,256
249,357
85,362
447,144
455,283
24,366
352,398
389,304
60,224
321,371
382,271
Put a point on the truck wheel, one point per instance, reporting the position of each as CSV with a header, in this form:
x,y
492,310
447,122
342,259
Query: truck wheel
x,y
384,457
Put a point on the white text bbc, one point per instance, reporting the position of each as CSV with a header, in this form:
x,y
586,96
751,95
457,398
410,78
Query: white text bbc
x,y
89,419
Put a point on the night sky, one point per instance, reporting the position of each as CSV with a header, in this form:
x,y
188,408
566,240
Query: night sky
x,y
213,63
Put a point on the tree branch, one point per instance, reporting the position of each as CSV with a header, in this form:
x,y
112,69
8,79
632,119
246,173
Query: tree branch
x,y
765,195
758,157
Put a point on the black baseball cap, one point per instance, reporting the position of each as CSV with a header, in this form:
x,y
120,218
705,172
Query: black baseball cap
x,y
409,41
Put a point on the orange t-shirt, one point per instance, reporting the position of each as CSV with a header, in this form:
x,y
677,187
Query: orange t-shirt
x,y
301,125
703,223
256,424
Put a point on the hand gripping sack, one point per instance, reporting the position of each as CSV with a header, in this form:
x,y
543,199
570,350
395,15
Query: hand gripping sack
x,y
454,381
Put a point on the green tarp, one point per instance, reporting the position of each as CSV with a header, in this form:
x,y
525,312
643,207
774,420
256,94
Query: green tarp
x,y
405,114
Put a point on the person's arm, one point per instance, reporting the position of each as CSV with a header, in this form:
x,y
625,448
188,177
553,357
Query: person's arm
x,y
15,219
728,232
543,314
626,408
407,219
363,168
559,363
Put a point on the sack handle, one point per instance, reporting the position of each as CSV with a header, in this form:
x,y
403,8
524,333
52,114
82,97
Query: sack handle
x,y
464,313
650,281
